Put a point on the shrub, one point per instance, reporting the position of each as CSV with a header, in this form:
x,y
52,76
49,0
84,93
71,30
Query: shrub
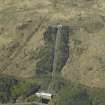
x,y
6,83
72,95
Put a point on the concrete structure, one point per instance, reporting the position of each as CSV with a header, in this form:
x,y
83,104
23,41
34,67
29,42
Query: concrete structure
x,y
45,97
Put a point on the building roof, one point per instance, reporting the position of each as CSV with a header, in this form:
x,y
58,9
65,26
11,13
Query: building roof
x,y
44,95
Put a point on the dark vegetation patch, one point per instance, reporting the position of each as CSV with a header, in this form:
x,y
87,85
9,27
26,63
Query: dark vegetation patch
x,y
44,56
72,94
6,83
11,89
64,49
46,53
76,94
24,89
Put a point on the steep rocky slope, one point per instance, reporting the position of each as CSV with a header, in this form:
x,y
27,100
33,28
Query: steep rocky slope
x,y
23,23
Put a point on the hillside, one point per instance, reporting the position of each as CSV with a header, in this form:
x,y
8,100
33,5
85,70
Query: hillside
x,y
23,23
27,40
22,28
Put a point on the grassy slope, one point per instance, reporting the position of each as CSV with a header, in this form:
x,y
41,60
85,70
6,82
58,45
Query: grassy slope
x,y
18,19
86,63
